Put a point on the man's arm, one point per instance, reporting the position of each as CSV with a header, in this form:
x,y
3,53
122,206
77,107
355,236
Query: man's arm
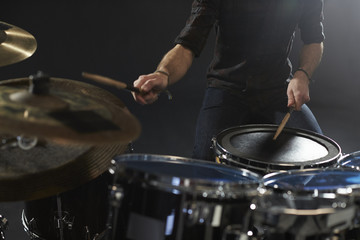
x,y
171,69
298,89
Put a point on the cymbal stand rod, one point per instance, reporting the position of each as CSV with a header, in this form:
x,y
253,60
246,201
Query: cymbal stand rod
x,y
59,220
116,197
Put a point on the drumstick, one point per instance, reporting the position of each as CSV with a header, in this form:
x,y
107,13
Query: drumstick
x,y
283,123
110,81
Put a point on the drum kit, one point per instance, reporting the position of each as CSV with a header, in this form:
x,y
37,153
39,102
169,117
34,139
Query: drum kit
x,y
66,151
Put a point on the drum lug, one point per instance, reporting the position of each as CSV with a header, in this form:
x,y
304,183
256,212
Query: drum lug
x,y
213,140
116,196
197,213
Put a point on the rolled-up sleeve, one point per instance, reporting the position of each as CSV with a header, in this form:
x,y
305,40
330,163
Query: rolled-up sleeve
x,y
311,22
198,26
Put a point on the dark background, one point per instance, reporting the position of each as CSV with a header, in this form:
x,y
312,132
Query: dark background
x,y
125,38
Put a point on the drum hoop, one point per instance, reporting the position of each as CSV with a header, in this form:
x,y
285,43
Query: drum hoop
x,y
207,188
347,158
327,205
323,193
224,154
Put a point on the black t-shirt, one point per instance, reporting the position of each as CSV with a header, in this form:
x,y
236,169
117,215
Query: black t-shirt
x,y
253,37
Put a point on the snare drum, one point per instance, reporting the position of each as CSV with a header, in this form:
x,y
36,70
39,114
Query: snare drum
x,y
308,204
164,197
252,147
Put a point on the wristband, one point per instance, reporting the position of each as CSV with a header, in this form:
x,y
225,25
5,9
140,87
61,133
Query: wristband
x,y
166,74
306,73
168,82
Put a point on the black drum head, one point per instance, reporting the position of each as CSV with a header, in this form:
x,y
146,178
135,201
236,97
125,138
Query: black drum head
x,y
253,145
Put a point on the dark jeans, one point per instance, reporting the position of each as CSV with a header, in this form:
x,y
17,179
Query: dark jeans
x,y
224,108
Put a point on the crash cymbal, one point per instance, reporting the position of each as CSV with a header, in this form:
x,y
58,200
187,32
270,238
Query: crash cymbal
x,y
16,44
68,111
50,168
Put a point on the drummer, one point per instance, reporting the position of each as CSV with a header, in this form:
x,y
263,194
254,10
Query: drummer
x,y
250,79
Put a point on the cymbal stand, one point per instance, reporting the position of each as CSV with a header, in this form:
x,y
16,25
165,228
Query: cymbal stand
x,y
116,195
62,219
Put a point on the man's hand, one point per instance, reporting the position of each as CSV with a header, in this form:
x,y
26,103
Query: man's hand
x,y
150,86
298,91
171,69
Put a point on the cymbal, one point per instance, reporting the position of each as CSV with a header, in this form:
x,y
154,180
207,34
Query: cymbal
x,y
50,168
70,112
16,44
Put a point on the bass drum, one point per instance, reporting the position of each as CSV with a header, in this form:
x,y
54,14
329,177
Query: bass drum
x,y
252,147
165,197
309,204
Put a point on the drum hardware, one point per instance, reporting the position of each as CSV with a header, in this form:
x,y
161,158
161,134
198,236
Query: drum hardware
x,y
179,198
116,197
16,44
97,236
26,143
23,142
30,227
38,95
351,160
320,203
251,147
72,215
62,219
3,226
237,232
203,213
283,217
245,231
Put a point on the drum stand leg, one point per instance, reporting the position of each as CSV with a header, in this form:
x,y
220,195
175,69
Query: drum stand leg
x,y
180,225
116,196
59,218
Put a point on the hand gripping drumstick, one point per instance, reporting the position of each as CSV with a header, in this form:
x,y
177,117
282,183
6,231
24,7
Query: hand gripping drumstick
x,y
116,83
110,81
283,123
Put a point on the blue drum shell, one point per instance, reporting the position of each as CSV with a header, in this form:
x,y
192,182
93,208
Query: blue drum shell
x,y
168,197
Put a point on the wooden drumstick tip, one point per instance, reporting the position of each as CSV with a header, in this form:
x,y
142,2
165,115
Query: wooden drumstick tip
x,y
109,81
282,124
